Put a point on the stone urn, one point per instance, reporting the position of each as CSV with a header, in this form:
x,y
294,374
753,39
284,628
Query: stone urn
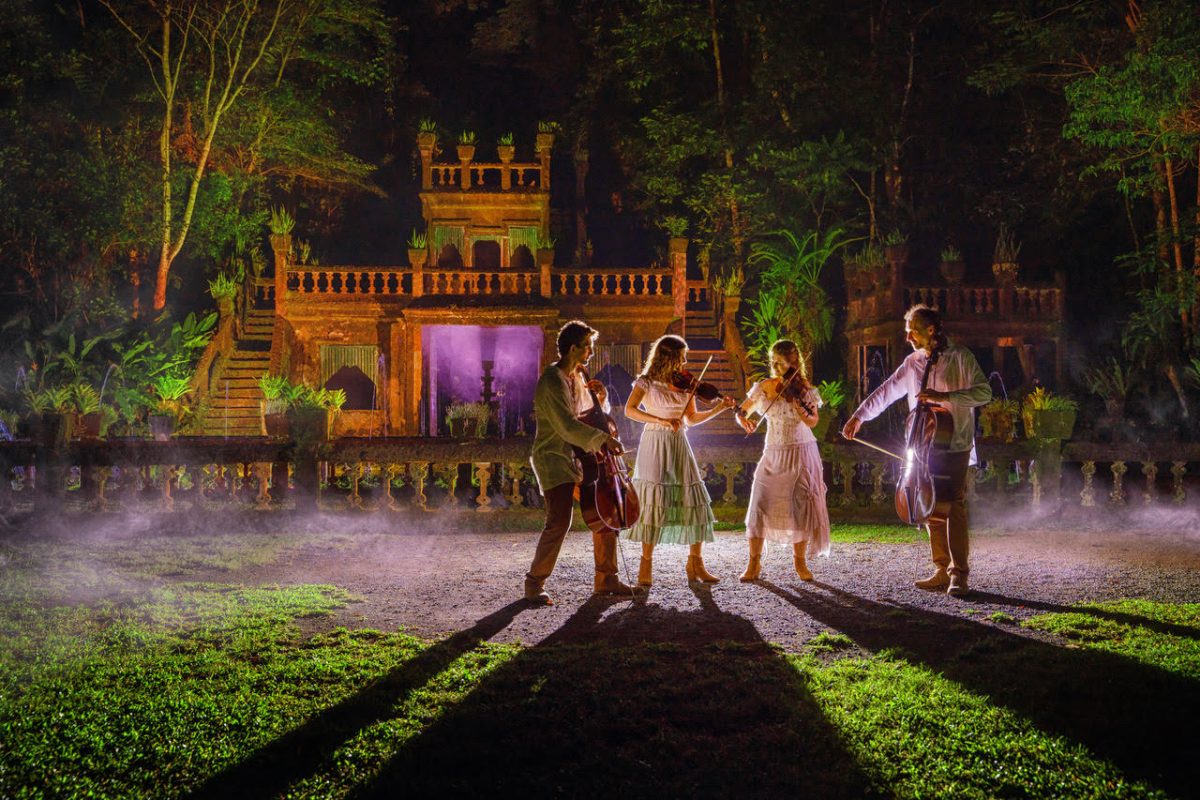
x,y
466,152
418,256
952,271
896,253
1005,271
506,152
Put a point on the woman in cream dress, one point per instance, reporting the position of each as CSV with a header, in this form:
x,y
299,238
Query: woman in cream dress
x,y
787,498
675,506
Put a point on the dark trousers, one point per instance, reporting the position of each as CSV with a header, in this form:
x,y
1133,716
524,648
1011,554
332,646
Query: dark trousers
x,y
948,527
560,506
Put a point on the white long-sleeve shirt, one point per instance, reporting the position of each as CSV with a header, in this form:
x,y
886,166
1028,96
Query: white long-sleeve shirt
x,y
558,401
956,372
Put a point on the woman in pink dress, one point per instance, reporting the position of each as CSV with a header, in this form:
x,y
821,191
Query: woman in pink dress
x,y
787,498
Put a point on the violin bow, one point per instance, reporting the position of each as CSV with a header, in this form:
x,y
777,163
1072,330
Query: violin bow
x,y
695,386
778,395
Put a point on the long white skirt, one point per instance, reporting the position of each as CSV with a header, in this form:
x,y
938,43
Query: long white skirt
x,y
676,508
787,500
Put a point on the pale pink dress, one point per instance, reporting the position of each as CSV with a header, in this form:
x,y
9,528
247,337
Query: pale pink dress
x,y
787,499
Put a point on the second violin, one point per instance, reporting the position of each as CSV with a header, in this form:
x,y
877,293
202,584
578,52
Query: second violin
x,y
685,381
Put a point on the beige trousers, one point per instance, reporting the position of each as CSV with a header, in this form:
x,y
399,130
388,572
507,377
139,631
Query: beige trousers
x,y
560,507
948,528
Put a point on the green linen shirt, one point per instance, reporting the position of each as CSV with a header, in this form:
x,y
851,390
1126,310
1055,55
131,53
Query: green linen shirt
x,y
556,407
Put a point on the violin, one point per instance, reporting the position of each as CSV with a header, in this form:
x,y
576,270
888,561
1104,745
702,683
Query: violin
x,y
606,494
927,433
685,381
793,392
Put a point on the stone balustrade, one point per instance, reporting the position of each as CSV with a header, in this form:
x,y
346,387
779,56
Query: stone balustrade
x,y
485,176
450,475
1027,302
348,281
645,282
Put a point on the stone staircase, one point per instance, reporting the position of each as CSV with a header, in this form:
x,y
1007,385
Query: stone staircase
x,y
703,336
234,406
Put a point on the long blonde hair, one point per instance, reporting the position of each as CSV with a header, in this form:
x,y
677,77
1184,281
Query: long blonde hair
x,y
785,352
667,355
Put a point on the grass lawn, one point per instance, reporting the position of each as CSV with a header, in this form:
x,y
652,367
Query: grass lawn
x,y
209,690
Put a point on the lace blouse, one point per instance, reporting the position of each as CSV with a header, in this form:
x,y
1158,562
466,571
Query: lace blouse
x,y
784,425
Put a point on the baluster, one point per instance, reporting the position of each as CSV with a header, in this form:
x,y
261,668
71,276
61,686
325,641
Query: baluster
x,y
355,471
846,468
99,503
1178,468
1087,495
877,495
1150,471
1117,495
448,473
483,474
170,473
729,470
516,470
262,471
1035,481
419,470
389,474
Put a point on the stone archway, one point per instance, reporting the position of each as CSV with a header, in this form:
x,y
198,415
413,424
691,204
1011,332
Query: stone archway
x,y
485,254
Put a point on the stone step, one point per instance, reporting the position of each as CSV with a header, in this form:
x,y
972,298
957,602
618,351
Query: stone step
x,y
250,403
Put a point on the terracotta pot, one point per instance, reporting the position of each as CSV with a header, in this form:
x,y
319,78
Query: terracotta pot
x,y
87,426
896,253
418,257
1047,424
506,152
161,427
466,152
952,271
1006,271
276,425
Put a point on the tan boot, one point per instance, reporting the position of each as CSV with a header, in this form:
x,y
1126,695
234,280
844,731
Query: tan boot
x,y
754,567
646,566
607,583
535,594
800,563
939,581
697,572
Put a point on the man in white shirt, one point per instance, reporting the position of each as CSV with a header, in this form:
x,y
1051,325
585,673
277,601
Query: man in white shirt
x,y
956,383
558,400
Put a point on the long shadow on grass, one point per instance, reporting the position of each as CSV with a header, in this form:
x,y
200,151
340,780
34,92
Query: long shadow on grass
x,y
1122,710
632,703
272,768
1123,617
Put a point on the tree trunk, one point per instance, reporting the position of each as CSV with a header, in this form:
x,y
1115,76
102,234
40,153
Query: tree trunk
x,y
735,223
1177,385
1185,315
164,155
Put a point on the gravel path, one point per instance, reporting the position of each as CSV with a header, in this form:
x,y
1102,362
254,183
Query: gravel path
x,y
433,585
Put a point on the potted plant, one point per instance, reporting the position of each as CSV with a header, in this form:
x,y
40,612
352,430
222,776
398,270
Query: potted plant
x,y
952,267
545,251
310,411
999,419
895,247
88,419
544,140
1004,257
171,408
223,289
427,134
1048,416
456,419
51,415
277,394
481,413
505,148
1111,382
418,249
466,146
833,397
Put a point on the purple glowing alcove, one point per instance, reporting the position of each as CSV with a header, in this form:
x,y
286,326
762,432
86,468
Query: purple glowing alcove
x,y
455,356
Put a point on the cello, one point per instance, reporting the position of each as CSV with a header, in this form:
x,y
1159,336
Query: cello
x,y
927,432
606,495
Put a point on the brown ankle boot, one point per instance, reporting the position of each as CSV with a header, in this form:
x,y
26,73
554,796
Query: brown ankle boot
x,y
697,572
752,569
645,572
801,567
939,581
607,583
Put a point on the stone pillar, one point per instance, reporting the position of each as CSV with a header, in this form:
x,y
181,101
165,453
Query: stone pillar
x,y
677,253
281,246
545,259
543,144
425,145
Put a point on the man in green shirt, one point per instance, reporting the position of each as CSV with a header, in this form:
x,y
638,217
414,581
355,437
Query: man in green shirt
x,y
560,397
